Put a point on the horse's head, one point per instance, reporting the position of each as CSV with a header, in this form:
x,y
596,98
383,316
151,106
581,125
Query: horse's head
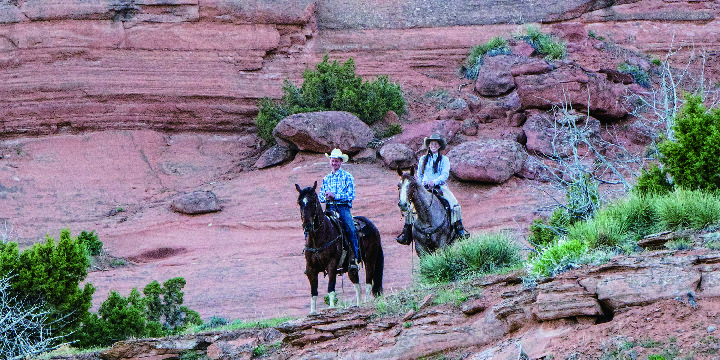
x,y
408,185
310,208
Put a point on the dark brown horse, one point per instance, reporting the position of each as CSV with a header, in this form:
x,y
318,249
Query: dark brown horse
x,y
324,244
432,229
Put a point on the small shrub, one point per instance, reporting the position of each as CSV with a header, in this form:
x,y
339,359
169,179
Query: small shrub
x,y
693,159
480,254
656,62
193,355
679,244
494,47
653,181
545,44
159,313
407,324
269,115
593,35
557,258
454,296
713,245
331,86
640,76
259,350
51,273
91,242
684,209
542,234
213,323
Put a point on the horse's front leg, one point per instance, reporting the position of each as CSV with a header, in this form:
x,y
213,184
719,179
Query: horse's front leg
x,y
312,276
332,275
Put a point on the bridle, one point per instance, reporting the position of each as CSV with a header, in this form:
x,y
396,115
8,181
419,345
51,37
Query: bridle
x,y
411,197
313,227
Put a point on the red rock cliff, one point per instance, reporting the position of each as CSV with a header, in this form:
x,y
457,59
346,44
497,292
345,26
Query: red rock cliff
x,y
202,64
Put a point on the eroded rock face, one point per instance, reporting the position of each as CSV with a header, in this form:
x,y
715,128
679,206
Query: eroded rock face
x,y
569,86
323,131
188,65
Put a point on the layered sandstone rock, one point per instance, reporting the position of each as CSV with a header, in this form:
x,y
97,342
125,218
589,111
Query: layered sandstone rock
x,y
202,65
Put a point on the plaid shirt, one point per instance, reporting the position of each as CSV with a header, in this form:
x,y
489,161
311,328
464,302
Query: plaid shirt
x,y
342,184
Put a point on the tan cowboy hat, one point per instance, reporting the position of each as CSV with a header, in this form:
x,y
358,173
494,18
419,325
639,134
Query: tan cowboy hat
x,y
435,137
337,154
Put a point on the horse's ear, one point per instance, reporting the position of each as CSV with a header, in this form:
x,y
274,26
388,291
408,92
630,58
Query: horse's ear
x,y
412,171
298,188
315,186
399,171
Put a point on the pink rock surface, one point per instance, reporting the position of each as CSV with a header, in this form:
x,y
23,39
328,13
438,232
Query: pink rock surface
x,y
245,261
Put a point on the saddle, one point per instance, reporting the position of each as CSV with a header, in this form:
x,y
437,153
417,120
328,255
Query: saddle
x,y
337,223
437,191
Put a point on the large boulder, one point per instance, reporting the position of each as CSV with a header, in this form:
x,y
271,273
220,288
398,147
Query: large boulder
x,y
323,131
398,156
275,155
197,202
495,78
490,161
570,86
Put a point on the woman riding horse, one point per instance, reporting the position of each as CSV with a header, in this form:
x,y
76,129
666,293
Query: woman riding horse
x,y
433,172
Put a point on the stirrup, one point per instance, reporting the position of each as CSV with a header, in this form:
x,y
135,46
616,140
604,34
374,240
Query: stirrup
x,y
353,264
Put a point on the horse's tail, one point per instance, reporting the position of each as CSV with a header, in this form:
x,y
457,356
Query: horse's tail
x,y
372,235
377,288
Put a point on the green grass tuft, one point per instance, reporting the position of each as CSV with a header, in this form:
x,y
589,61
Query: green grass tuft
x,y
480,254
496,46
545,44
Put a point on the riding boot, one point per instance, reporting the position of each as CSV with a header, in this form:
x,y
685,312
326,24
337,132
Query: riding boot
x,y
460,230
352,262
405,237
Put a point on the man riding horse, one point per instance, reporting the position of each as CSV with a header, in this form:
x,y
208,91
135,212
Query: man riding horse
x,y
338,192
433,172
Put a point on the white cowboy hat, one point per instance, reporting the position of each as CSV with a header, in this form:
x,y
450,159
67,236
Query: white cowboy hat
x,y
435,137
337,154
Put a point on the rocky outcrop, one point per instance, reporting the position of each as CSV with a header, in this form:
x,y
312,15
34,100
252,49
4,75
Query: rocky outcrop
x,y
190,65
569,86
571,301
238,344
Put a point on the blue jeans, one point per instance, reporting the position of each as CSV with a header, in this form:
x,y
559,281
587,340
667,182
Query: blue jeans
x,y
347,220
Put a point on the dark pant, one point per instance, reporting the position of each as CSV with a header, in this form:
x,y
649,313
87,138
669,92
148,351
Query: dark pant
x,y
347,220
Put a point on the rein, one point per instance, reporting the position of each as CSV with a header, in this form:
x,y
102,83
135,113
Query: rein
x,y
317,250
313,230
432,230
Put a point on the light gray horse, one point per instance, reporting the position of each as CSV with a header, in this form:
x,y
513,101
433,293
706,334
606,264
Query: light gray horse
x,y
432,229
